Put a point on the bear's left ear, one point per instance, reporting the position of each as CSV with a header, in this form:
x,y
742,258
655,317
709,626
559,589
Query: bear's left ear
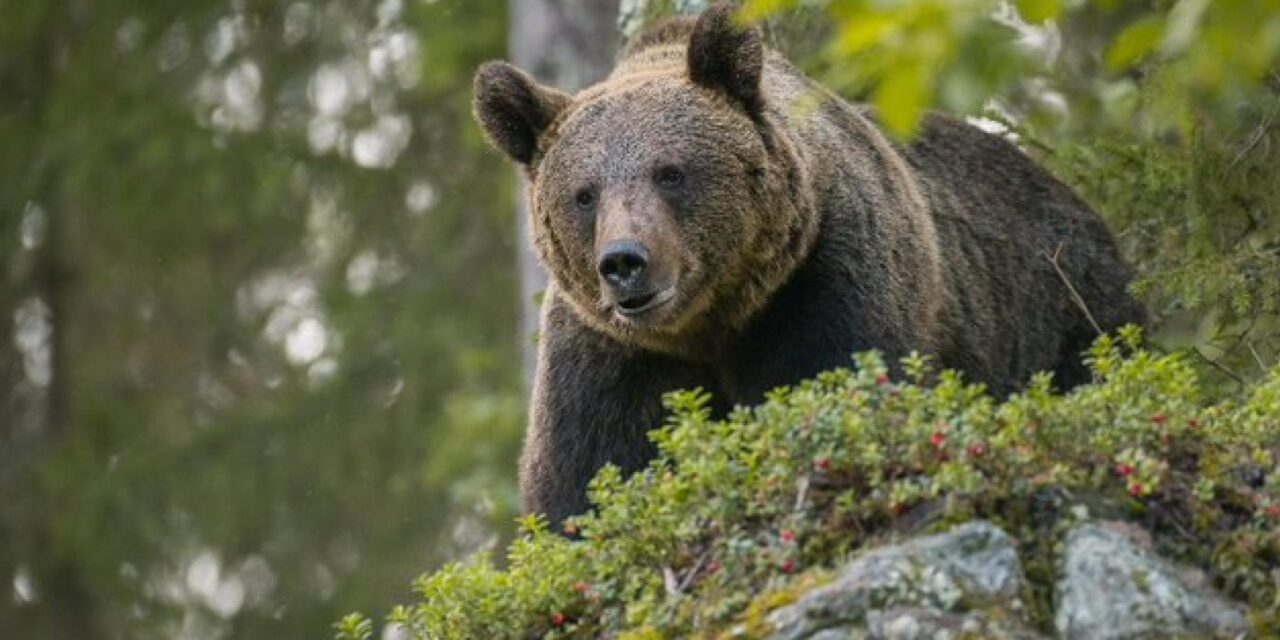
x,y
727,57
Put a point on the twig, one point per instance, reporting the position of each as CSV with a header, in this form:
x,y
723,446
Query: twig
x,y
1220,367
802,492
1075,295
1257,358
1259,132
1239,339
697,566
669,581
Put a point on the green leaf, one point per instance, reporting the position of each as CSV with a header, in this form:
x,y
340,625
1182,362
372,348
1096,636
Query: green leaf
x,y
902,97
755,10
1184,23
1039,11
863,33
1135,42
353,626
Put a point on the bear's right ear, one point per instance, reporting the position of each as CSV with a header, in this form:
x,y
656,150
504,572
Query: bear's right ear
x,y
727,56
513,109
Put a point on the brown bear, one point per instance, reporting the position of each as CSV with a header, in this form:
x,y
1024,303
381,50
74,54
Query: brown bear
x,y
710,217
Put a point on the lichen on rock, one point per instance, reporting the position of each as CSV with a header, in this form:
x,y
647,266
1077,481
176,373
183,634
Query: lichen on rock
x,y
926,587
968,583
1112,586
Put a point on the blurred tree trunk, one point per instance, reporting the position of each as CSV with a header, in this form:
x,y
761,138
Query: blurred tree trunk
x,y
38,416
67,603
568,44
635,15
798,32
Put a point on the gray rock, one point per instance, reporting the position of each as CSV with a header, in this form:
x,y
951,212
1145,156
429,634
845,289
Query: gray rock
x,y
1112,586
931,587
915,623
840,633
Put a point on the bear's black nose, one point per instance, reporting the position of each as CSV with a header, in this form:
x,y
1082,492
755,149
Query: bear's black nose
x,y
623,264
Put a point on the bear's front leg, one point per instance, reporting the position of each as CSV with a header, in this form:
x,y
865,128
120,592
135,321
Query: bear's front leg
x,y
594,402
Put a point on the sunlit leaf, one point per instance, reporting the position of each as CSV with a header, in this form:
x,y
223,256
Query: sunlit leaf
x,y
1039,11
902,98
753,10
1135,42
1184,21
863,33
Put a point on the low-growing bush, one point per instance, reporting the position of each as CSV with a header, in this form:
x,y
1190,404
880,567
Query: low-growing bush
x,y
738,515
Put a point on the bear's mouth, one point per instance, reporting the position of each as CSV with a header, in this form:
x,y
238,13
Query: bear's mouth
x,y
637,305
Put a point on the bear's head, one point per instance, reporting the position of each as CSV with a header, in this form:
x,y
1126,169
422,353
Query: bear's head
x,y
667,202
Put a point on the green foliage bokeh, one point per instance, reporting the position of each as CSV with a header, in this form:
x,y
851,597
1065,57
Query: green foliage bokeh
x,y
175,221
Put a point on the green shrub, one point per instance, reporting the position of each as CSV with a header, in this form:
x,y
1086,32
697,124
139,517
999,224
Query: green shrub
x,y
737,515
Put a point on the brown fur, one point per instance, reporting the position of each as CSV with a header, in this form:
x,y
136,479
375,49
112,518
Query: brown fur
x,y
796,235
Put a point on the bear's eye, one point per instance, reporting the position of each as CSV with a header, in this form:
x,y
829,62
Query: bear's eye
x,y
669,177
585,199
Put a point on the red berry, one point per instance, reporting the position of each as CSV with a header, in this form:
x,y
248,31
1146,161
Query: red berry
x,y
823,464
788,536
977,450
1136,489
1159,418
937,439
713,566
581,587
1273,512
882,379
1124,470
1193,424
788,566
557,620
